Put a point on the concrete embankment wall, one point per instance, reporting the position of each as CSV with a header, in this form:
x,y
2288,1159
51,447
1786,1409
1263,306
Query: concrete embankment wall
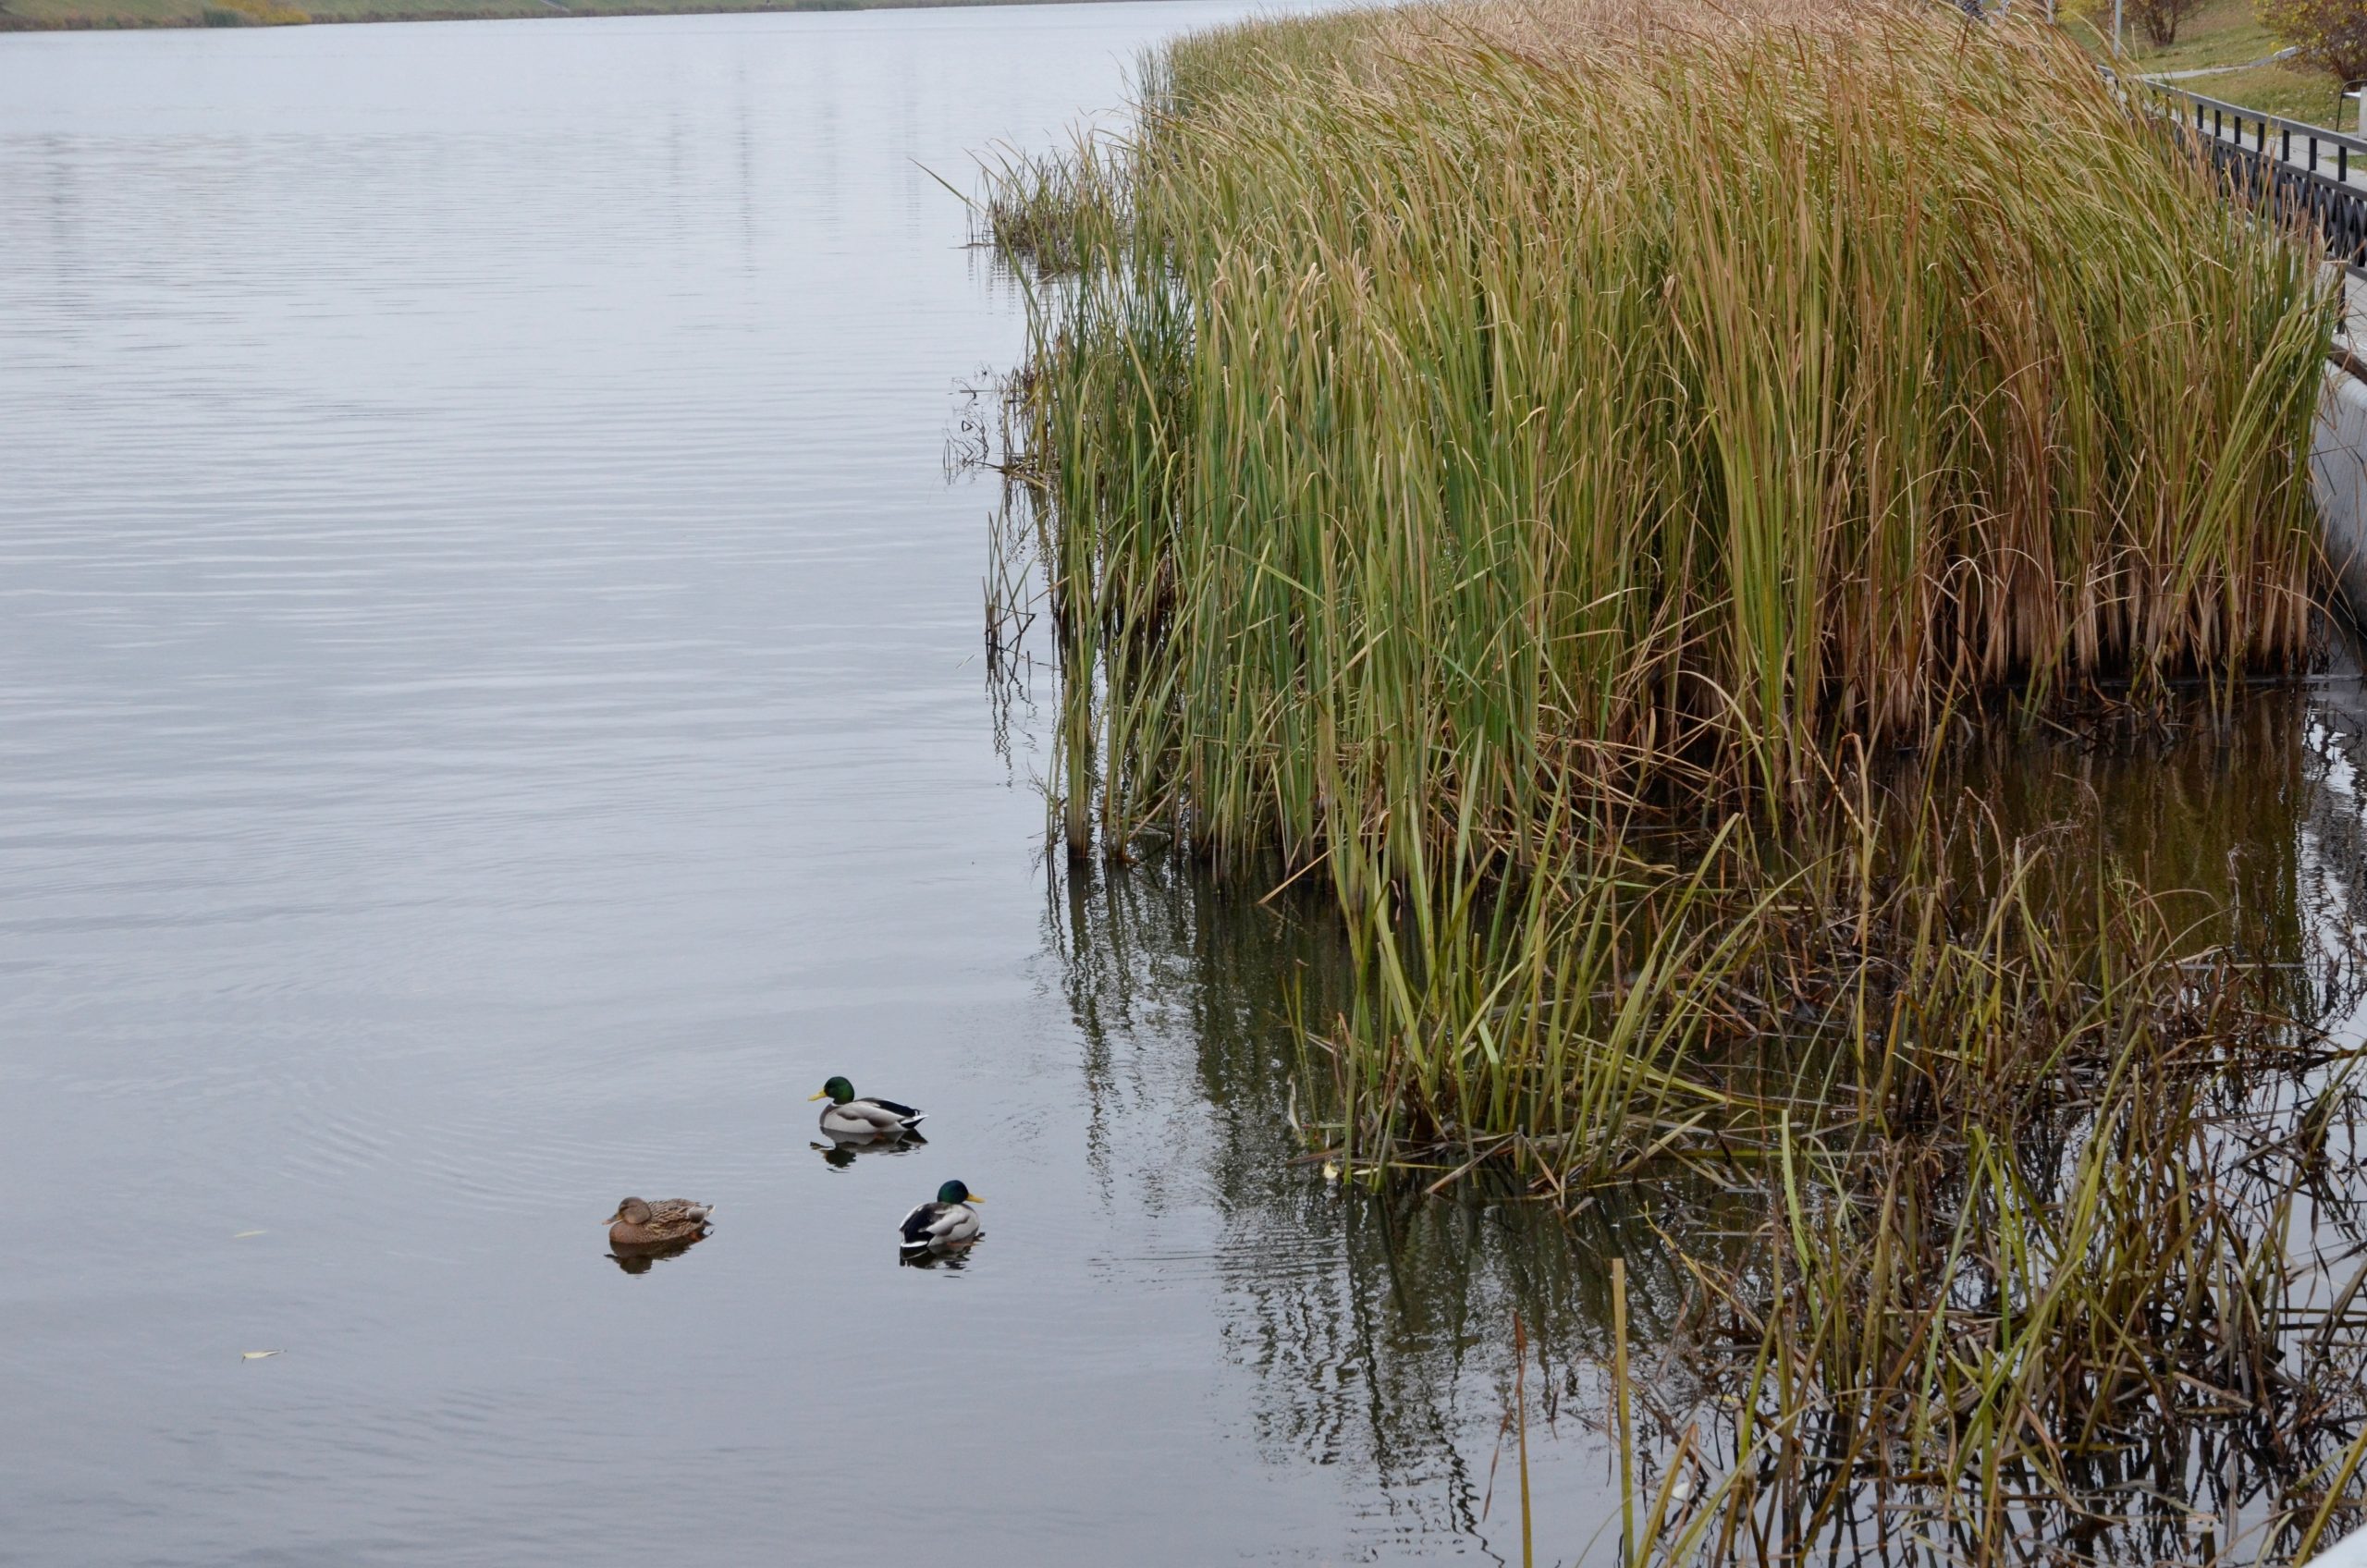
x,y
2338,463
2338,468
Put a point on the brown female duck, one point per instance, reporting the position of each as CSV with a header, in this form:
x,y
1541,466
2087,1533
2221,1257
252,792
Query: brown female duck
x,y
639,1224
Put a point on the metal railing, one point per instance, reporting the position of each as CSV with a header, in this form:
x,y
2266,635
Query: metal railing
x,y
2299,169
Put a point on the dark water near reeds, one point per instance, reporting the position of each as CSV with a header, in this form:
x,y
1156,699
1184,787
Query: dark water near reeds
x,y
493,716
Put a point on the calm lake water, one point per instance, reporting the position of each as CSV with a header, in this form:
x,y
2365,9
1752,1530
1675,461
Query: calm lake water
x,y
494,716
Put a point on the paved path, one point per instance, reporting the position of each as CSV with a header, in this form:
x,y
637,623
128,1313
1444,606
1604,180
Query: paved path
x,y
2223,70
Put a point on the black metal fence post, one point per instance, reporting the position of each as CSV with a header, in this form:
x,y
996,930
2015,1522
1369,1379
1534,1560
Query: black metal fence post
x,y
2329,202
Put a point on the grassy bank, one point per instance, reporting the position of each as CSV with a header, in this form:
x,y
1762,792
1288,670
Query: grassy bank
x,y
1569,478
54,15
2225,39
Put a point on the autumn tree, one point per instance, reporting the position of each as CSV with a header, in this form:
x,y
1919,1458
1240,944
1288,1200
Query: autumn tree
x,y
2159,19
2330,34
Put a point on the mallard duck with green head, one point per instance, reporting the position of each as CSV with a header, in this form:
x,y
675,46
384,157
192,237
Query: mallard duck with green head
x,y
864,1120
941,1226
660,1224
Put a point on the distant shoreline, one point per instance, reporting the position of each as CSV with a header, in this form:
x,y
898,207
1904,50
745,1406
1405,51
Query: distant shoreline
x,y
103,16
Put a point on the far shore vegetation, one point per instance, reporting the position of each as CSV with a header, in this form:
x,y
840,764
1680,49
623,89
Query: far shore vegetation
x,y
32,16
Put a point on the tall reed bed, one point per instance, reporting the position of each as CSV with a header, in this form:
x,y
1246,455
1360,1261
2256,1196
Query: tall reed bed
x,y
1447,415
1528,466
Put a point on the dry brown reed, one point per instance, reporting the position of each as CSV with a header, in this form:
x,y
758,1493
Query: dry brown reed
x,y
1452,411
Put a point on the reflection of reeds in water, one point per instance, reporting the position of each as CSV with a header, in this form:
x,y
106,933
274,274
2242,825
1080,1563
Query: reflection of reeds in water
x,y
1993,1302
1375,1321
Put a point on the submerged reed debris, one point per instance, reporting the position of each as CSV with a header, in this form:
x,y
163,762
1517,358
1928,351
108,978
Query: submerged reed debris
x,y
1985,1188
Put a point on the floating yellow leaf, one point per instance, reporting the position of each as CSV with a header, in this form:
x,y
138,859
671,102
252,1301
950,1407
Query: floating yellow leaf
x,y
244,1234
256,1354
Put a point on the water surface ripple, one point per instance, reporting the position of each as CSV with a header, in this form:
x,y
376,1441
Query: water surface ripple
x,y
493,716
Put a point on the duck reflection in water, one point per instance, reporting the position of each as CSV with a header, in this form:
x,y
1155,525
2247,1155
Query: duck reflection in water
x,y
640,1260
953,1261
839,1149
